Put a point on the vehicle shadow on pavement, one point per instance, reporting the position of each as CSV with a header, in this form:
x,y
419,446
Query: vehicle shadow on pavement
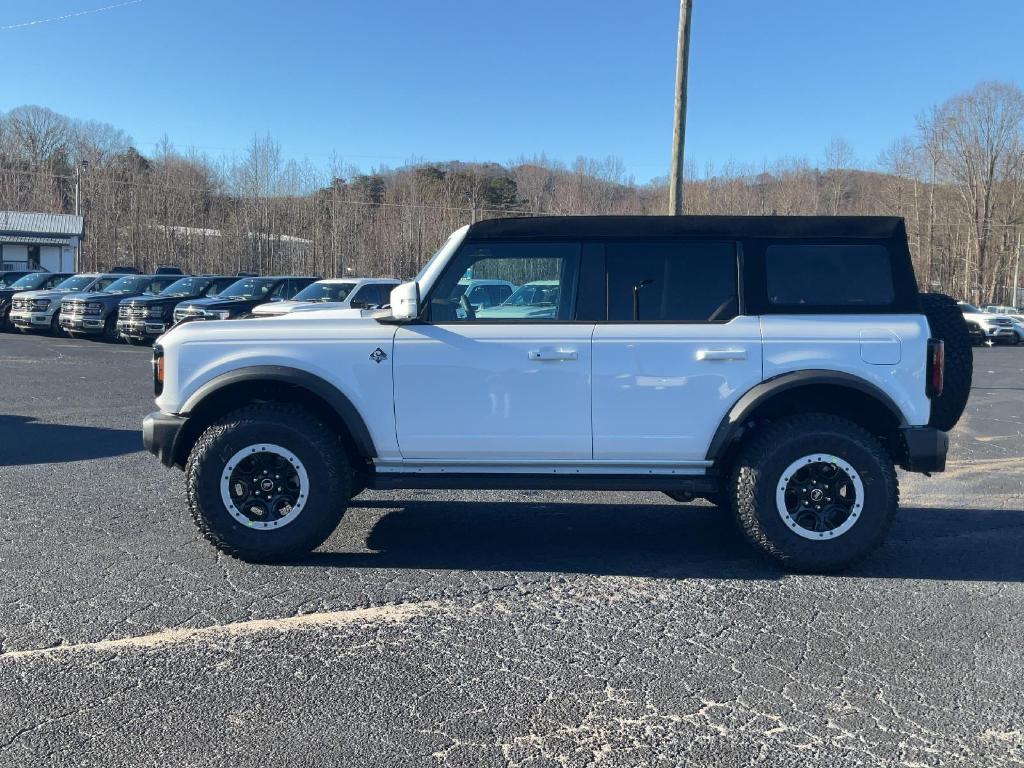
x,y
24,440
664,541
668,540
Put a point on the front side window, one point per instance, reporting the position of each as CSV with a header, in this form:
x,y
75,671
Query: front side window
x,y
829,276
671,282
481,277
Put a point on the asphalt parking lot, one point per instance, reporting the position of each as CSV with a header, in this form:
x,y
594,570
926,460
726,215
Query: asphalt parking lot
x,y
478,629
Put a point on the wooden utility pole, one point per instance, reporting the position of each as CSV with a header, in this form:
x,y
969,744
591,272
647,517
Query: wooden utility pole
x,y
675,184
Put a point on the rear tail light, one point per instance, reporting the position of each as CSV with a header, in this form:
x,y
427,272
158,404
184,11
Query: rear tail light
x,y
936,367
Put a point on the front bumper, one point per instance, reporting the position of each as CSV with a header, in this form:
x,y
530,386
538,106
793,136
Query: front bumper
x,y
27,319
82,323
1000,332
160,433
925,449
141,329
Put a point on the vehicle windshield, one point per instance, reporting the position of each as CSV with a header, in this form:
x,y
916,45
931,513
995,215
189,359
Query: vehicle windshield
x,y
187,286
324,292
533,294
969,308
29,282
129,284
75,283
247,288
6,281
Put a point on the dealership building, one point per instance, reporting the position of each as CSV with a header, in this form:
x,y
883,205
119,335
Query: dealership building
x,y
40,240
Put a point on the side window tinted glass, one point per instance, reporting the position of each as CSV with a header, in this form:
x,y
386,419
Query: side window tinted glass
x,y
482,281
829,275
671,282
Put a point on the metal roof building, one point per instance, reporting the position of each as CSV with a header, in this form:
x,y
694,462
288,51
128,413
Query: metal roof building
x,y
47,240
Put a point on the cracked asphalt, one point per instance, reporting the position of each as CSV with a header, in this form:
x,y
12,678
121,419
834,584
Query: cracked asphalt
x,y
480,629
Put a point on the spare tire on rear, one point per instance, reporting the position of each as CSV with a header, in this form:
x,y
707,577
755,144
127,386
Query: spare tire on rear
x,y
947,323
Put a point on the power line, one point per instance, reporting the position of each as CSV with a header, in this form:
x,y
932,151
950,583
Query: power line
x,y
67,16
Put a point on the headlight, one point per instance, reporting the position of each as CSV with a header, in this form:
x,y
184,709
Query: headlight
x,y
39,305
217,314
93,308
156,311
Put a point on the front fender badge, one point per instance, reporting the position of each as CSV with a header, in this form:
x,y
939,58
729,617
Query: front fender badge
x,y
378,355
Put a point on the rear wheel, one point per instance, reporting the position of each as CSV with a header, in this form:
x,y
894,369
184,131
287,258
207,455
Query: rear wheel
x,y
816,492
268,482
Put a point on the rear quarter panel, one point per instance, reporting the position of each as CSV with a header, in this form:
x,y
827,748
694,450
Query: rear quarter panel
x,y
889,351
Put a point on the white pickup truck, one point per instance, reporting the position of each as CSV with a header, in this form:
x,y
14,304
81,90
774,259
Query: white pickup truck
x,y
781,367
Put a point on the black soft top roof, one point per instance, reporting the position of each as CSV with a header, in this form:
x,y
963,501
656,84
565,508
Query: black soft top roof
x,y
530,227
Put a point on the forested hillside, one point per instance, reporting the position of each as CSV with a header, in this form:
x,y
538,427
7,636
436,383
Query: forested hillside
x,y
959,181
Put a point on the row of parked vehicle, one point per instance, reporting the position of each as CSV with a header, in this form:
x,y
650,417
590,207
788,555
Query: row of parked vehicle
x,y
993,324
138,308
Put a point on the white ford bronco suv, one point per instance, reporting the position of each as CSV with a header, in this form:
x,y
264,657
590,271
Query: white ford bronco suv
x,y
781,367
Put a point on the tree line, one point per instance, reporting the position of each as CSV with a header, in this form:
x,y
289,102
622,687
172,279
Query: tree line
x,y
958,182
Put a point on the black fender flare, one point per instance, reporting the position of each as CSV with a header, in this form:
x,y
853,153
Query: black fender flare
x,y
301,379
733,421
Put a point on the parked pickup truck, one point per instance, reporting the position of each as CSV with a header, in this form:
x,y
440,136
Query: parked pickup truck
x,y
241,297
145,317
33,281
95,313
781,367
354,293
40,310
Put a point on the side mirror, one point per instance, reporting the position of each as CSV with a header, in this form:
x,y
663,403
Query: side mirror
x,y
359,304
405,301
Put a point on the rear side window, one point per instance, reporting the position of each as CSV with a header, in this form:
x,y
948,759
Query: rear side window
x,y
671,282
829,276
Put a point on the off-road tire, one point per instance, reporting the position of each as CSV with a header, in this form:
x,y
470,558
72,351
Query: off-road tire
x,y
760,467
55,329
946,321
295,429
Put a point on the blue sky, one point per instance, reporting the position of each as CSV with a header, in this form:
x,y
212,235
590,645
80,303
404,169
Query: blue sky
x,y
379,82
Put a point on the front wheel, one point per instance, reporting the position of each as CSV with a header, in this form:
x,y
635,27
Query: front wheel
x,y
110,334
816,492
268,482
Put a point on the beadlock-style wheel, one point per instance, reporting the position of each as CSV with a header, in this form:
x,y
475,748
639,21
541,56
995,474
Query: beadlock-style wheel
x,y
264,486
819,497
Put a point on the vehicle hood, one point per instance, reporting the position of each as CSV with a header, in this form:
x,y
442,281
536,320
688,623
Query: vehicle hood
x,y
98,296
214,302
47,293
150,300
284,307
306,326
